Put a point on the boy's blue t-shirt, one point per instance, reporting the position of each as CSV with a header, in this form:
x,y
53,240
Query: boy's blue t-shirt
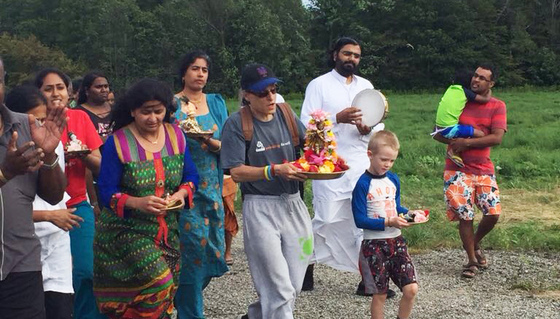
x,y
452,104
374,199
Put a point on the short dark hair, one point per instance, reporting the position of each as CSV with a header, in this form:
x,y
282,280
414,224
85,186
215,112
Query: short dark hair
x,y
337,46
141,92
189,59
40,77
86,84
76,84
24,98
490,67
463,77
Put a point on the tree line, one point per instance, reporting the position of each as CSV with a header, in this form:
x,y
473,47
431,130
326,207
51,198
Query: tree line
x,y
407,44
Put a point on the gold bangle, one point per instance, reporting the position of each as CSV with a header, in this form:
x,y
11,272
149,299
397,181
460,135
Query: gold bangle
x,y
3,178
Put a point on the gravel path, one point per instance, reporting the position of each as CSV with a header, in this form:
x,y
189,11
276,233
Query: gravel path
x,y
509,289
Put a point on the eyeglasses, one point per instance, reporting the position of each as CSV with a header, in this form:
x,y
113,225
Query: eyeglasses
x,y
350,53
480,77
265,93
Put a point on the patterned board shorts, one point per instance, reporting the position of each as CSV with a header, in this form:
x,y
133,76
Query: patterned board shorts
x,y
381,259
461,190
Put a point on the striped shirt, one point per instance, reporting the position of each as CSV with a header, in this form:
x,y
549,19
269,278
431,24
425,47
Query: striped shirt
x,y
484,117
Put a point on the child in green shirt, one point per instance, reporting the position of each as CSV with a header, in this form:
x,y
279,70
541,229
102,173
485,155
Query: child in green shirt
x,y
450,108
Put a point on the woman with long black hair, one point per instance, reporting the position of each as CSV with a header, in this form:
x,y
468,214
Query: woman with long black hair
x,y
146,168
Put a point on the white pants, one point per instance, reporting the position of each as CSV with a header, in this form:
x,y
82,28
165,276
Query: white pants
x,y
56,259
337,239
278,243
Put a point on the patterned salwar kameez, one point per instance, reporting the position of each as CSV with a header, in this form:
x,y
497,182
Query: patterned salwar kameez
x,y
137,255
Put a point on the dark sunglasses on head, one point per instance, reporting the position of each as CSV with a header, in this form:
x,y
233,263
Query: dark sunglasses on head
x,y
350,53
265,93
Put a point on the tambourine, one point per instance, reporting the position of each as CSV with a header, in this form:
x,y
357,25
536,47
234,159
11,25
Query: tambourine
x,y
373,105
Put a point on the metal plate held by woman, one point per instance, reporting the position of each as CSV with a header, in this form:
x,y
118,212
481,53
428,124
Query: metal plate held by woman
x,y
373,105
199,134
74,154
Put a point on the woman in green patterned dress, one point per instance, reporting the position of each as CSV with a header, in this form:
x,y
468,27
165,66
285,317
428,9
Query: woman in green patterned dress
x,y
202,227
147,167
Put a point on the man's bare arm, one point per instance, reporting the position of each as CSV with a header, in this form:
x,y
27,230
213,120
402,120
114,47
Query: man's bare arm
x,y
438,137
52,182
245,173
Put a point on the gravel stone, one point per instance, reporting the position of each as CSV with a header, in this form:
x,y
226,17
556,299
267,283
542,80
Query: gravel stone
x,y
517,285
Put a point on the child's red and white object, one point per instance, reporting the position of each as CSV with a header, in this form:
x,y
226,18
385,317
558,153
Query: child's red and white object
x,y
416,216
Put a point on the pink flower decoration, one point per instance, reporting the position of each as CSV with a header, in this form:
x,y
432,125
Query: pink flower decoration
x,y
317,159
319,115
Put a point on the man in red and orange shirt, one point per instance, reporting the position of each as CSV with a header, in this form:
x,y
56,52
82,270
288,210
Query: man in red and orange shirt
x,y
475,183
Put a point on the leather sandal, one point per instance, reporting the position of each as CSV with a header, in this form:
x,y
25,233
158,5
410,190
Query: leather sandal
x,y
470,271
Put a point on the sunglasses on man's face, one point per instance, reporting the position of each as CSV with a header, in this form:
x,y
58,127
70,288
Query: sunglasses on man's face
x,y
265,93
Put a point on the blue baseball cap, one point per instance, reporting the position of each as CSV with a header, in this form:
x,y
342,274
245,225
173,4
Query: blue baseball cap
x,y
257,77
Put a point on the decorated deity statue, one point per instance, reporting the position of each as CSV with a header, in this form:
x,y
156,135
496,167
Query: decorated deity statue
x,y
320,147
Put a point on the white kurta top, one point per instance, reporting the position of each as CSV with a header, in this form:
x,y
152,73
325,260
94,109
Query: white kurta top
x,y
56,259
337,239
330,93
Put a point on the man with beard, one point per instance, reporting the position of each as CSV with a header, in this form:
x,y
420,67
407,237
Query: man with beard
x,y
475,182
337,239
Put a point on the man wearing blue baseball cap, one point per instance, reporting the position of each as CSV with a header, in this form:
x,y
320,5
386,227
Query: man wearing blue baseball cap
x,y
277,231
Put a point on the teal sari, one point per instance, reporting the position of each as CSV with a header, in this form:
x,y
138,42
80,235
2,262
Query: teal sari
x,y
202,227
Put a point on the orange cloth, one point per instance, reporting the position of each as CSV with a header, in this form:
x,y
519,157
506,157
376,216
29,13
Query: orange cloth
x,y
228,196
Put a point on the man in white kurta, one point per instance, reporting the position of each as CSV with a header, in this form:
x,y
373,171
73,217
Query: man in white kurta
x,y
337,239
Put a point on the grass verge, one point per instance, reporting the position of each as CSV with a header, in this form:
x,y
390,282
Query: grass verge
x,y
527,164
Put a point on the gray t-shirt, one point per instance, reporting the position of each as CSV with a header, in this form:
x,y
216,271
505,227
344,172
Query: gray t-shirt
x,y
20,249
271,144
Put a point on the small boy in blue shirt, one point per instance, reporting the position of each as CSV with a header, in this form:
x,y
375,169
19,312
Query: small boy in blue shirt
x,y
376,207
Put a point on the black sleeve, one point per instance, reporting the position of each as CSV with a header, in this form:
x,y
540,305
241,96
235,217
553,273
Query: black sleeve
x,y
469,94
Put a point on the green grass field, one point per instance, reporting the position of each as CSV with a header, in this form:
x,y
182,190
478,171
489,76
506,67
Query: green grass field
x,y
527,162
